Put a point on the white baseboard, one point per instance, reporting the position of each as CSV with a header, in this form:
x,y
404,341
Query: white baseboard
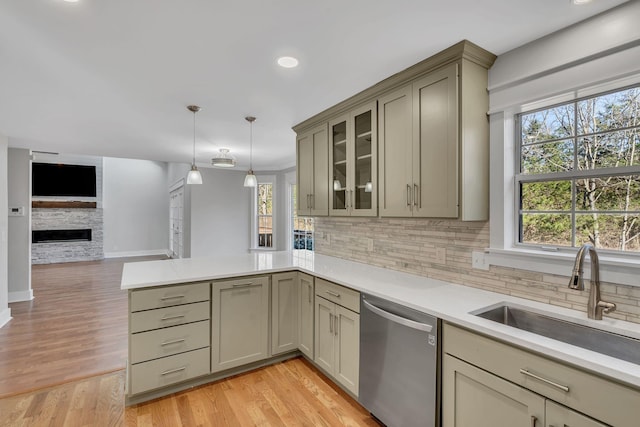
x,y
126,254
21,296
5,316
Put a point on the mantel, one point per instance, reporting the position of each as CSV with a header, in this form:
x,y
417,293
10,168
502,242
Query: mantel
x,y
55,204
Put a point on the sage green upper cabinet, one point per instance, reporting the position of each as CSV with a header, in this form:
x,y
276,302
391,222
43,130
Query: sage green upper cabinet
x,y
435,163
396,152
429,141
353,163
312,170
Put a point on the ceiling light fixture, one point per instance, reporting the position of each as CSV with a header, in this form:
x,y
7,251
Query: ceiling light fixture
x,y
287,62
223,159
71,1
250,180
194,176
580,2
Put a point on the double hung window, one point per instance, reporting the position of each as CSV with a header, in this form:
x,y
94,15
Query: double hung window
x,y
578,179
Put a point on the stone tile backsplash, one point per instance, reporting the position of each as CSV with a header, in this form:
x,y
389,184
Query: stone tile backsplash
x,y
441,249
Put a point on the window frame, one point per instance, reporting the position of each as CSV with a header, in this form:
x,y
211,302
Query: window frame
x,y
255,226
571,176
504,248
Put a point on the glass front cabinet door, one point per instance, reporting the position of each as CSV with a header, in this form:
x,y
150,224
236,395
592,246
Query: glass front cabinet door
x,y
353,163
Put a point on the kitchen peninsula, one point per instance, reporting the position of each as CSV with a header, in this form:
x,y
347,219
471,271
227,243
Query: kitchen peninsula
x,y
454,304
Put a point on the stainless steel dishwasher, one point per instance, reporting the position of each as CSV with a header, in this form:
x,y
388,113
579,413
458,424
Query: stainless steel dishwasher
x,y
399,380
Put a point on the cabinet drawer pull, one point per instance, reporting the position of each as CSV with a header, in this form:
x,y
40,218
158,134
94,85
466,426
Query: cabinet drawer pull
x,y
173,297
415,195
533,420
336,326
242,285
173,371
333,294
172,342
408,195
179,316
544,380
331,323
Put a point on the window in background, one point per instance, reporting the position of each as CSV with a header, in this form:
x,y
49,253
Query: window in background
x,y
302,226
265,215
579,179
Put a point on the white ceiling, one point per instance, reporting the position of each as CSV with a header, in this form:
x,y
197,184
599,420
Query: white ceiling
x,y
114,77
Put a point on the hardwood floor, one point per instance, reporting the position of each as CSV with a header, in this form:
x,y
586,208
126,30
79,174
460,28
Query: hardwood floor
x,y
62,360
74,328
291,393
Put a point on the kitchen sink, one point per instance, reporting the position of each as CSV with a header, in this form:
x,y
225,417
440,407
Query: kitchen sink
x,y
597,340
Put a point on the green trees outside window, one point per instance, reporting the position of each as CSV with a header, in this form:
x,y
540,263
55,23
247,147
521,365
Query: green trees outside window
x,y
579,179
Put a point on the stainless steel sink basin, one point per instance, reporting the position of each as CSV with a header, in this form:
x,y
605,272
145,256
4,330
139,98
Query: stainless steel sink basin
x,y
604,342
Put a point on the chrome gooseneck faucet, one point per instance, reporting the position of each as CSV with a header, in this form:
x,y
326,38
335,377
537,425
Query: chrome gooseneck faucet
x,y
595,306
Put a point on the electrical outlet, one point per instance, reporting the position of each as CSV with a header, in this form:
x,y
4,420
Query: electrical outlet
x,y
370,245
479,260
327,238
441,255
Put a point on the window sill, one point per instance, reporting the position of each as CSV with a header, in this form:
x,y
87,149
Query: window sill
x,y
616,270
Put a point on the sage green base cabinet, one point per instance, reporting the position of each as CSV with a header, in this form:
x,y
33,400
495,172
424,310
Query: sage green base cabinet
x,y
489,383
169,340
284,312
239,322
337,333
305,314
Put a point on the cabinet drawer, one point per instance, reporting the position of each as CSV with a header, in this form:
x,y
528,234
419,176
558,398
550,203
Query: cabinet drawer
x,y
598,397
147,299
346,297
171,316
165,342
169,370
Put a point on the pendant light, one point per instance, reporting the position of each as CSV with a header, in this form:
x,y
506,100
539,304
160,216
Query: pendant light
x,y
250,180
194,176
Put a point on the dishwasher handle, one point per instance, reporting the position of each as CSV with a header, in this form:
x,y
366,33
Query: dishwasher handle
x,y
397,319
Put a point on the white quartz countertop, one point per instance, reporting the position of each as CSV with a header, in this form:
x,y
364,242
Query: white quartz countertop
x,y
450,302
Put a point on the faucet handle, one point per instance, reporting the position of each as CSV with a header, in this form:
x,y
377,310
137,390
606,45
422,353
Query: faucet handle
x,y
607,307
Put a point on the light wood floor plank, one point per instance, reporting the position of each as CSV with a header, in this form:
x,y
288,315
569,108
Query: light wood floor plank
x,y
75,327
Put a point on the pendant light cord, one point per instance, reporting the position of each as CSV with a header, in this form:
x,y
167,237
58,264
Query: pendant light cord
x,y
251,146
194,138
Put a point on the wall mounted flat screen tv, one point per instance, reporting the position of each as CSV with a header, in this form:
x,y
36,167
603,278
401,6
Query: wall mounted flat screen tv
x,y
51,179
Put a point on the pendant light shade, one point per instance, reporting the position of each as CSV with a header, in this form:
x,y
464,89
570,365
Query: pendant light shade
x,y
194,176
250,180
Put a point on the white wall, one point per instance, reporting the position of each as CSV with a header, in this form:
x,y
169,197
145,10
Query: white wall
x,y
19,195
5,311
136,207
220,213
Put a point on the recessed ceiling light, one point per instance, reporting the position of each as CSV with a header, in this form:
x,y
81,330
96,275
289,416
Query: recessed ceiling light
x,y
287,62
579,2
71,1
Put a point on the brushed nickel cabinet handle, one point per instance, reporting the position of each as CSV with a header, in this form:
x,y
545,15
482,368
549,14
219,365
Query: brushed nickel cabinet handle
x,y
533,420
171,297
408,195
242,285
331,323
544,380
415,195
312,198
180,316
333,294
172,342
173,371
337,325
351,199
